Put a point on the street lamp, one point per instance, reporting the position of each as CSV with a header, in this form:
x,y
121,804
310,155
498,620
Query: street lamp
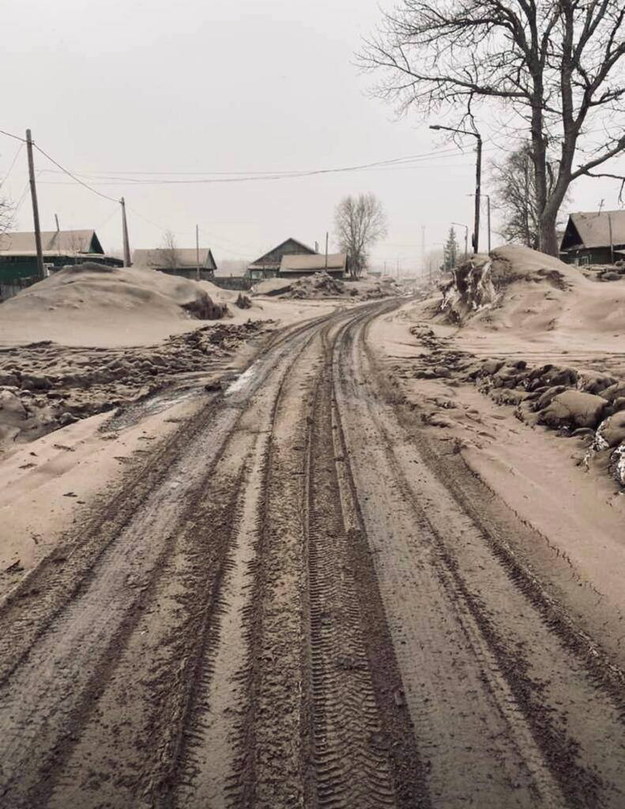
x,y
478,179
466,238
487,217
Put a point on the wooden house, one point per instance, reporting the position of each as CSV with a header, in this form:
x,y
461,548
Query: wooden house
x,y
18,255
268,265
596,237
181,261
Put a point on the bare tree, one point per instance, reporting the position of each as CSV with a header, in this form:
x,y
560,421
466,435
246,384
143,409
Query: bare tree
x,y
516,198
168,253
558,64
359,223
7,215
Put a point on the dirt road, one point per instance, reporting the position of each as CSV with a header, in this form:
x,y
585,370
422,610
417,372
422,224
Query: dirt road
x,y
303,603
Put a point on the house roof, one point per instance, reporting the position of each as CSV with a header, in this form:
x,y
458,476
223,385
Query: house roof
x,y
592,229
186,258
59,242
272,257
314,263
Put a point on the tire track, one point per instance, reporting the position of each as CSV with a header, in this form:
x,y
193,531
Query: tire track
x,y
572,753
51,701
350,747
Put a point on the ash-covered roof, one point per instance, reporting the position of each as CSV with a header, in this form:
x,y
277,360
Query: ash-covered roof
x,y
592,229
315,263
272,259
183,258
61,242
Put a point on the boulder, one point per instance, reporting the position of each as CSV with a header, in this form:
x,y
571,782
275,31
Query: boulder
x,y
8,379
617,464
614,391
490,367
545,399
611,431
564,376
597,384
572,409
35,382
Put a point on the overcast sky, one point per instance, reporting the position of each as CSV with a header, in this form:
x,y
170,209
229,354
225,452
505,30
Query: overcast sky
x,y
172,90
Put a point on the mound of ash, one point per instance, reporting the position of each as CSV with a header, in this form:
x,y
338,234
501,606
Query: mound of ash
x,y
483,283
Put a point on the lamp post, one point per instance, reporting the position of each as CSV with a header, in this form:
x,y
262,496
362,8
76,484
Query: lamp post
x,y
466,238
488,225
475,239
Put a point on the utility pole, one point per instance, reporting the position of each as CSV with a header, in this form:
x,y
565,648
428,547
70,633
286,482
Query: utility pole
x,y
197,250
475,239
33,194
489,229
127,261
478,194
326,250
56,219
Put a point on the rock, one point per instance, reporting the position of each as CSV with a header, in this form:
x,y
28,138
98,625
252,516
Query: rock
x,y
490,367
565,376
11,403
8,380
617,464
547,397
572,409
243,301
612,430
618,404
596,384
34,382
67,418
614,391
442,371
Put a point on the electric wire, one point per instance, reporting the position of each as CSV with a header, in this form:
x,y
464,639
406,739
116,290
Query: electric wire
x,y
73,176
13,162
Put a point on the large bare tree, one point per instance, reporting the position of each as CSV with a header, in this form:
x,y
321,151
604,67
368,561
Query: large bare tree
x,y
558,64
359,222
515,196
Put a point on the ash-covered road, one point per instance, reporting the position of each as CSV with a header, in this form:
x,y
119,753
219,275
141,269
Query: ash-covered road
x,y
302,604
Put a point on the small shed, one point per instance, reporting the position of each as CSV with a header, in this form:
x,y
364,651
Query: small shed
x,y
268,265
296,266
181,261
18,255
596,237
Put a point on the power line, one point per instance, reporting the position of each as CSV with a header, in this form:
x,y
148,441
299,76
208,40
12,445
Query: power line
x,y
111,178
14,161
69,174
11,135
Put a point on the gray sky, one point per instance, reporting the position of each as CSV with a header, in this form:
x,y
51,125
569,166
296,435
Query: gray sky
x,y
199,86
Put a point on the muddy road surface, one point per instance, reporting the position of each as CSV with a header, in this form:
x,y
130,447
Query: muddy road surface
x,y
303,603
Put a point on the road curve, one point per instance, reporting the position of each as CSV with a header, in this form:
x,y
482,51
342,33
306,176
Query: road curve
x,y
302,604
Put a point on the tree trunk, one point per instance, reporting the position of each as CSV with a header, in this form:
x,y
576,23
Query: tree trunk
x,y
548,240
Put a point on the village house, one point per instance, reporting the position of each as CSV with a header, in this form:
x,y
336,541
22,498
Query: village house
x,y
296,266
596,237
181,261
268,265
18,255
